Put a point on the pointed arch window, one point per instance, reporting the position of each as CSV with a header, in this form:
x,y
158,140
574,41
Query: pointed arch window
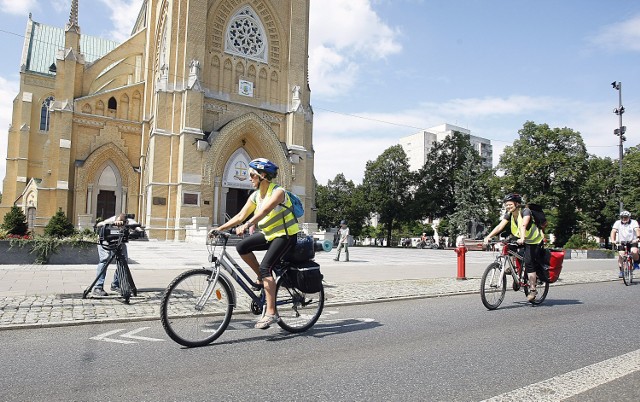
x,y
45,114
112,104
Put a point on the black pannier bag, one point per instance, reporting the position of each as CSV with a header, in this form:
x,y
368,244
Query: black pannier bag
x,y
305,277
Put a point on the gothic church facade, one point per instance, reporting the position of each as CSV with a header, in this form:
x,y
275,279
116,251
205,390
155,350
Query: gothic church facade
x,y
164,124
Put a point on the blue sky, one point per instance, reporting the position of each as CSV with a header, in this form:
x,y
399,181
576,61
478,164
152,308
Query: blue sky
x,y
384,69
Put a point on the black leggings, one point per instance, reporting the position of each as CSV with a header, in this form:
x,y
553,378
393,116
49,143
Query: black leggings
x,y
276,248
533,258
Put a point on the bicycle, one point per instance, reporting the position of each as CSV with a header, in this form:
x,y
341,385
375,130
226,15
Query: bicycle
x,y
112,238
627,262
493,285
197,306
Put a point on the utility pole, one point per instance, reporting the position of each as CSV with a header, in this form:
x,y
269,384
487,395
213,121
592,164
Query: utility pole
x,y
620,133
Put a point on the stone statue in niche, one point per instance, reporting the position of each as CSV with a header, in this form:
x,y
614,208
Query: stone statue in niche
x,y
194,75
295,104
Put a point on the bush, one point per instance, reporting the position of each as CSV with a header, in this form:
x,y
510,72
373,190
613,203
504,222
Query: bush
x,y
15,222
578,241
59,226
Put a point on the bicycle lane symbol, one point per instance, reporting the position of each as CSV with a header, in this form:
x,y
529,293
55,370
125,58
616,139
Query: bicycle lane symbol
x,y
105,337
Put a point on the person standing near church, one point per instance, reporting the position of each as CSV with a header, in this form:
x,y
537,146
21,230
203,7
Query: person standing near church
x,y
343,241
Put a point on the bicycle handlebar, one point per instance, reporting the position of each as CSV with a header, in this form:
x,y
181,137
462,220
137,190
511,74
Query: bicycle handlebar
x,y
512,241
223,233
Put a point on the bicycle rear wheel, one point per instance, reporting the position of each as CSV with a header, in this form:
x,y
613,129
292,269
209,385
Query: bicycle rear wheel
x,y
298,311
493,286
193,311
627,271
123,281
542,289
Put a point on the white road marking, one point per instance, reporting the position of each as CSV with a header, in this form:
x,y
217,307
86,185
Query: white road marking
x,y
131,335
576,382
104,337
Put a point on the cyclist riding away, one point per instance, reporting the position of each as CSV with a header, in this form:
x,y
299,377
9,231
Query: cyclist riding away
x,y
524,228
277,230
626,229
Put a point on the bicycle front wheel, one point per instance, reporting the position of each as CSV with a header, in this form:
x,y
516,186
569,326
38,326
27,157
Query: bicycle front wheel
x,y
194,311
493,286
627,271
298,311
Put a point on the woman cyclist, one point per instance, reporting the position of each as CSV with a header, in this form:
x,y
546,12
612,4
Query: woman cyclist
x,y
525,229
278,228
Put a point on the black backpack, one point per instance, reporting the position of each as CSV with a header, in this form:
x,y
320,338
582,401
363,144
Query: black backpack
x,y
538,216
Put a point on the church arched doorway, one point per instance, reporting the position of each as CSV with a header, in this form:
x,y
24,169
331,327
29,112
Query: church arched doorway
x,y
108,193
236,198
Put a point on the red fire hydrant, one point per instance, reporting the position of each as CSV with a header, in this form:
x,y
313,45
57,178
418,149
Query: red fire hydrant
x,y
461,251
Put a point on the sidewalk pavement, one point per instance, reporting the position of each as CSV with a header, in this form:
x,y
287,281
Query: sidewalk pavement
x,y
33,296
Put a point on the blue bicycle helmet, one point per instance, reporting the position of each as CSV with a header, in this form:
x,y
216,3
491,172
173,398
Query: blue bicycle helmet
x,y
264,165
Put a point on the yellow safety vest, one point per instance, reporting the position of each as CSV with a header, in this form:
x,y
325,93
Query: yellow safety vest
x,y
533,235
273,225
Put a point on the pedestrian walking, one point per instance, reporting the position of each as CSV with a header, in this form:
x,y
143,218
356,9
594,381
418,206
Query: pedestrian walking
x,y
343,240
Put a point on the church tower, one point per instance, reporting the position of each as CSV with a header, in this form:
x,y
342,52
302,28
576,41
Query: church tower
x,y
163,125
227,83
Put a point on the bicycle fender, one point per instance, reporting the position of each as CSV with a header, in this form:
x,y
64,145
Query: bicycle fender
x,y
223,276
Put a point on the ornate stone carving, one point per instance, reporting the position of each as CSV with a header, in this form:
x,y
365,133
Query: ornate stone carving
x,y
215,107
261,140
41,82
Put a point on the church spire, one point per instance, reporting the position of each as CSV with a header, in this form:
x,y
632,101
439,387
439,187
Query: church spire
x,y
73,17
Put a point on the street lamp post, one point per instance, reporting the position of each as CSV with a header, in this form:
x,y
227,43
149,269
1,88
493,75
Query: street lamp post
x,y
620,133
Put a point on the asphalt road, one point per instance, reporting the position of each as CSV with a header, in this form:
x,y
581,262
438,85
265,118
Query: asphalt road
x,y
448,348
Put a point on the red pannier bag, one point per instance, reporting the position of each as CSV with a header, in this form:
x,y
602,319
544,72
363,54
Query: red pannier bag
x,y
553,263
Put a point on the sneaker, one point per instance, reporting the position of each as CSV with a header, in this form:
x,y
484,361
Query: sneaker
x,y
335,259
531,297
507,270
620,274
636,266
115,288
99,292
267,320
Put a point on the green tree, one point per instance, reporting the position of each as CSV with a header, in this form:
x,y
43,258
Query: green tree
x,y
630,174
59,226
435,195
414,228
471,190
15,222
547,166
341,199
598,200
444,230
386,185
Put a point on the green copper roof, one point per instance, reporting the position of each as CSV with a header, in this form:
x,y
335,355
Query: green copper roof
x,y
45,41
